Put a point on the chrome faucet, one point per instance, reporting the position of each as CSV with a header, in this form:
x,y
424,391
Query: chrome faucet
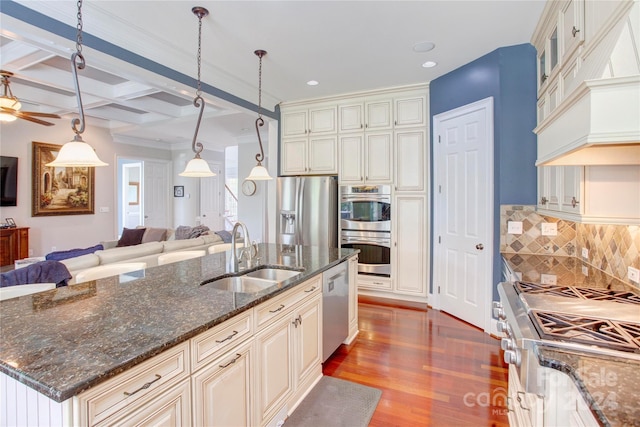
x,y
245,251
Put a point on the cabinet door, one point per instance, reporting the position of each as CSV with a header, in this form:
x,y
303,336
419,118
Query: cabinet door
x,y
170,409
409,236
307,338
410,111
294,123
410,159
378,115
350,118
555,188
351,159
379,158
294,156
572,17
323,120
274,360
543,187
222,390
571,189
323,155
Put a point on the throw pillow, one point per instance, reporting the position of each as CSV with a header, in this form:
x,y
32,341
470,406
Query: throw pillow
x,y
154,235
131,237
72,253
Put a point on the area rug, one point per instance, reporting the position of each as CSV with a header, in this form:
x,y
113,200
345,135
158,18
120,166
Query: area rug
x,y
335,402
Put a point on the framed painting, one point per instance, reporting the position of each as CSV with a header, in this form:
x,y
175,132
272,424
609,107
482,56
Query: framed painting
x,y
59,190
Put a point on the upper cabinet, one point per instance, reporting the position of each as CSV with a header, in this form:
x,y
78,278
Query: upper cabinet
x,y
321,119
572,25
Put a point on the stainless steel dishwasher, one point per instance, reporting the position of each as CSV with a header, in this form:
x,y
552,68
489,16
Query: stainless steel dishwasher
x,y
335,308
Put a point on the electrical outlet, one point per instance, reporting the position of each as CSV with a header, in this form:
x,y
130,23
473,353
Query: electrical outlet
x,y
549,228
585,253
30,252
549,279
53,248
514,227
104,209
633,274
585,271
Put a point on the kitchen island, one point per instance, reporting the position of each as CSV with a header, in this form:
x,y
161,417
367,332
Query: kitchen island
x,y
65,343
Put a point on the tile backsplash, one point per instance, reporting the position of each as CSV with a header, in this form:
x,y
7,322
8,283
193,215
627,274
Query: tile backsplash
x,y
612,248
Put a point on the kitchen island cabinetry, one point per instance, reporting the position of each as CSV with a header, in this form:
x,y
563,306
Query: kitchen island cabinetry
x,y
163,349
583,193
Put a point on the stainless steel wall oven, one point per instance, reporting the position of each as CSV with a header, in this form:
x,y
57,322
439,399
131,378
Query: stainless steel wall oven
x,y
365,219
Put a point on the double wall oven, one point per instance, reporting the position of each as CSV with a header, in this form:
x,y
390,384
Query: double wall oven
x,y
365,220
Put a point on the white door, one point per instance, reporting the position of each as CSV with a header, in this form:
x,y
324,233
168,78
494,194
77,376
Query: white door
x,y
211,199
463,167
130,194
155,194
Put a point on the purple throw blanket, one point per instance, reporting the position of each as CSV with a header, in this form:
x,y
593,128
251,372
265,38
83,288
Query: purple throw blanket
x,y
40,272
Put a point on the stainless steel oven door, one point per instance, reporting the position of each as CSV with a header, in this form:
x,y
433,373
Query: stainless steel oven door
x,y
375,251
362,208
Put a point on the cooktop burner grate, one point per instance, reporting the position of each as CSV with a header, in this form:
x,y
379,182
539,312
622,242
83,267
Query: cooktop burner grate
x,y
597,294
623,336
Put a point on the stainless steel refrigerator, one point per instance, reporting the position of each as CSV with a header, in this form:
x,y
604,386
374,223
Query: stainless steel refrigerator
x,y
308,211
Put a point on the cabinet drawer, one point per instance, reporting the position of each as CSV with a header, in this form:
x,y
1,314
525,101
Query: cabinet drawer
x,y
144,381
209,345
275,307
374,283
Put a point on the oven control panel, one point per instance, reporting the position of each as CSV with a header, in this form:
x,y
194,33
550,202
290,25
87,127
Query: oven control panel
x,y
512,354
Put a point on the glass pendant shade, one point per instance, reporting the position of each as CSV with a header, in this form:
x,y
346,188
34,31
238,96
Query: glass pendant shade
x,y
77,154
12,103
259,173
197,168
6,117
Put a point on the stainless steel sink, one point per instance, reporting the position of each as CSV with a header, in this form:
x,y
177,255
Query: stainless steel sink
x,y
277,274
243,284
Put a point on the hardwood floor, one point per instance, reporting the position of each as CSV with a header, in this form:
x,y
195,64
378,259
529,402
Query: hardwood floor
x,y
432,368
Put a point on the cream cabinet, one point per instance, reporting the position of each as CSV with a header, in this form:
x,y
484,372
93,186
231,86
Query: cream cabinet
x,y
315,120
315,155
288,350
583,193
409,245
410,111
366,158
151,390
223,390
525,409
572,25
564,404
410,159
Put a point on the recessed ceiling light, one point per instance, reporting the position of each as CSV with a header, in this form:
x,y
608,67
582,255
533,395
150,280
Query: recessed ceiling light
x,y
312,83
429,64
423,46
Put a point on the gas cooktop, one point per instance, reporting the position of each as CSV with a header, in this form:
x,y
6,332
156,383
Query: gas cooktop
x,y
591,316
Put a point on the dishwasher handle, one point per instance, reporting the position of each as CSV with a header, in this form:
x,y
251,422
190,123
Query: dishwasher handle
x,y
330,286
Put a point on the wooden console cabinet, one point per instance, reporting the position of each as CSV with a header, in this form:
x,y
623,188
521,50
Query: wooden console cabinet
x,y
14,245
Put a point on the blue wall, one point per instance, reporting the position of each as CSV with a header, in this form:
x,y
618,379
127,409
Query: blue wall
x,y
507,74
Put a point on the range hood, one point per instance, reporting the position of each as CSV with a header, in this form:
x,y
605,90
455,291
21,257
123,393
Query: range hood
x,y
598,124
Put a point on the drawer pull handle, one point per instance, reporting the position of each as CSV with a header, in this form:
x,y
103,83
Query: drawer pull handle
x,y
144,387
232,361
311,290
228,338
277,309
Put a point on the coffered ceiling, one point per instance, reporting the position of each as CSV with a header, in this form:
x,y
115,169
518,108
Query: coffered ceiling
x,y
141,56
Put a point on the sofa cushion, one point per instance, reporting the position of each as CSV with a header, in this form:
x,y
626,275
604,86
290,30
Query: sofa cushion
x,y
129,252
175,245
210,239
71,253
81,262
131,236
153,234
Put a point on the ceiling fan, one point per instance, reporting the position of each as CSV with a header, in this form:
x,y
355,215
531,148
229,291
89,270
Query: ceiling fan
x,y
10,105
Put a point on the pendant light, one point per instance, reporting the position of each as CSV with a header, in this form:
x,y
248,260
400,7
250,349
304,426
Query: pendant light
x,y
77,153
197,167
259,172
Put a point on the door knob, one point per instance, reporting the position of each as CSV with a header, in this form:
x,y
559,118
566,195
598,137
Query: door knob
x,y
479,246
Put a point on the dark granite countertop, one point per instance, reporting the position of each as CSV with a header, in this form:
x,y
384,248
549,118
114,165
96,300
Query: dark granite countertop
x,y
610,386
66,340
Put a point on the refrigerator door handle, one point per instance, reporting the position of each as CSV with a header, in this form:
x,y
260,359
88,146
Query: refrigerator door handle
x,y
301,211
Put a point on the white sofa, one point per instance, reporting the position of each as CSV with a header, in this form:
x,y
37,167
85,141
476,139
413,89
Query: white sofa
x,y
144,252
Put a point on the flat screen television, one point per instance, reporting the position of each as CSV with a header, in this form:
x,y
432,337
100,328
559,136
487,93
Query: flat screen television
x,y
8,181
